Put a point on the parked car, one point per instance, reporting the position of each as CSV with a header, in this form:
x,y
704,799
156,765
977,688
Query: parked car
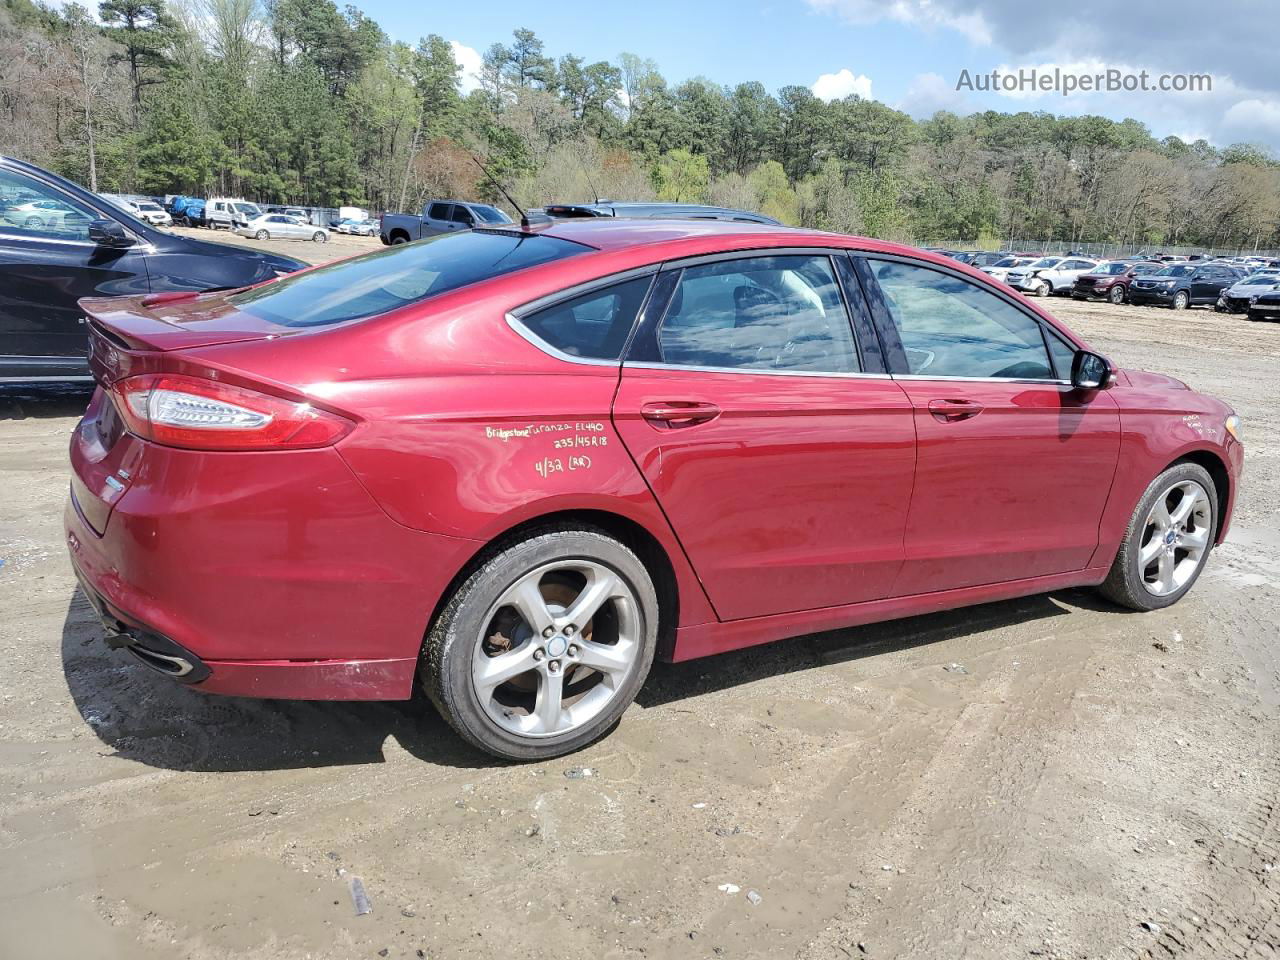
x,y
650,211
1050,275
1237,297
1265,306
1110,280
1002,268
276,226
359,228
187,211
980,258
438,216
92,249
1183,285
223,213
809,431
48,215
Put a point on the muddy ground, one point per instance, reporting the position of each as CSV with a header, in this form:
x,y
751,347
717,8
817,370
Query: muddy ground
x,y
1092,783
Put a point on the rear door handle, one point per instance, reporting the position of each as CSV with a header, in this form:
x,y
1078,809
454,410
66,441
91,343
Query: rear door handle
x,y
679,413
951,411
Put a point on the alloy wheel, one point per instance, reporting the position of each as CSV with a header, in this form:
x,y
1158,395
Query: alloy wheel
x,y
1181,301
1117,294
1176,538
556,648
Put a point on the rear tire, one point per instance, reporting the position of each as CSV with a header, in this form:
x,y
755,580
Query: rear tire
x,y
564,684
1148,576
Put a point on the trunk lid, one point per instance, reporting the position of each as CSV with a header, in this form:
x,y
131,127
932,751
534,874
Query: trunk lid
x,y
175,321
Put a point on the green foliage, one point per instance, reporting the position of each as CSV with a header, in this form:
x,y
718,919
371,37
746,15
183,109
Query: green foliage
x,y
308,101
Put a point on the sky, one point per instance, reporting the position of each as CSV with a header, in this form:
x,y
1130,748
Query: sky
x,y
911,54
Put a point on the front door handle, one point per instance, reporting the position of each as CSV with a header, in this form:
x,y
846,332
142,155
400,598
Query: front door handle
x,y
952,411
679,413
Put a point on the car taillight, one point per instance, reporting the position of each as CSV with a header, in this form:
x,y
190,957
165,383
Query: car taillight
x,y
197,414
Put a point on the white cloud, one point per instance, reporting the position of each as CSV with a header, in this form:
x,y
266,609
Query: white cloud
x,y
1250,118
837,86
929,93
470,62
921,13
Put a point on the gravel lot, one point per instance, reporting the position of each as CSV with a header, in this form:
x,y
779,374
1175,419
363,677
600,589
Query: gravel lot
x,y
1092,783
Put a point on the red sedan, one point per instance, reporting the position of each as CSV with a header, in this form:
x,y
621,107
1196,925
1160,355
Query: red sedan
x,y
514,465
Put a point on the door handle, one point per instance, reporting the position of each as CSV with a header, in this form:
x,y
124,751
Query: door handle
x,y
952,411
679,413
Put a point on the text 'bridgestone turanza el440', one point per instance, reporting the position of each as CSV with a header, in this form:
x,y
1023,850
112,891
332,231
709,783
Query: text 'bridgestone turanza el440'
x,y
544,644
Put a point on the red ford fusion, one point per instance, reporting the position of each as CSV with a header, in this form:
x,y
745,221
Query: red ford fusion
x,y
513,465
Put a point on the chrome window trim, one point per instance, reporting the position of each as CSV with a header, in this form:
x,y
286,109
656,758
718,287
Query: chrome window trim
x,y
742,371
925,376
514,323
142,244
76,378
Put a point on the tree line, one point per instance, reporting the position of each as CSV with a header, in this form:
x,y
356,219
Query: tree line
x,y
299,101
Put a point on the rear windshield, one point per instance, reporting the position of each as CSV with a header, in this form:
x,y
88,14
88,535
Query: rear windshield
x,y
380,282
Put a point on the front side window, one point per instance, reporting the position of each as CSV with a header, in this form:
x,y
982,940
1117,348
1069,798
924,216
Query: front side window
x,y
594,325
379,282
28,207
950,327
759,313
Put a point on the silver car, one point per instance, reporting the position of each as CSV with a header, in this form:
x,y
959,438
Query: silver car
x,y
278,226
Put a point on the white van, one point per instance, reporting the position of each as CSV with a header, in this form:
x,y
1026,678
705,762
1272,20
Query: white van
x,y
224,212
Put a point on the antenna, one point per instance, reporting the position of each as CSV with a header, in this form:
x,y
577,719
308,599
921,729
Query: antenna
x,y
524,218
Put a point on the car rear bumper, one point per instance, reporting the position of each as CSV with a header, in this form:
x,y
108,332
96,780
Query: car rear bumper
x,y
283,581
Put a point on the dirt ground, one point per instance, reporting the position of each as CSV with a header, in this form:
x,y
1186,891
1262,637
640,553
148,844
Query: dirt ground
x,y
1088,783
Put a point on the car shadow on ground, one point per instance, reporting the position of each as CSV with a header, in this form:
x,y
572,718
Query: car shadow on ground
x,y
44,401
147,718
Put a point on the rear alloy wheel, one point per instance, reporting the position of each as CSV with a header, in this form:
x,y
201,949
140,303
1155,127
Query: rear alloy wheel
x,y
543,647
1181,300
319,236
261,235
1169,538
1116,295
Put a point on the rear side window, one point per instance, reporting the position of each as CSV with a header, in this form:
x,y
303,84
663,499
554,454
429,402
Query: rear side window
x,y
439,211
760,313
594,325
380,282
950,327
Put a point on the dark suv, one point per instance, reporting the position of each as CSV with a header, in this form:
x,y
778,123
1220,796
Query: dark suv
x,y
1182,285
1110,280
59,243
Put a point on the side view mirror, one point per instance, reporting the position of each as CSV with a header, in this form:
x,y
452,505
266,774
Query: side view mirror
x,y
1090,371
108,233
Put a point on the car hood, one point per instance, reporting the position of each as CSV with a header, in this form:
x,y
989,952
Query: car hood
x,y
1145,379
1249,289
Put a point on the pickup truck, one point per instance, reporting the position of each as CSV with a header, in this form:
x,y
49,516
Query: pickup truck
x,y
438,216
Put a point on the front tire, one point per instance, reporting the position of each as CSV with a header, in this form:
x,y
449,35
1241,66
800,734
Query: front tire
x,y
1043,289
1181,300
1167,542
319,237
544,645
261,235
1116,295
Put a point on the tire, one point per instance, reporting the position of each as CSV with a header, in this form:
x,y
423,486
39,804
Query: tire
x,y
33,223
319,237
262,235
1044,289
1181,300
549,571
398,238
1145,586
1116,295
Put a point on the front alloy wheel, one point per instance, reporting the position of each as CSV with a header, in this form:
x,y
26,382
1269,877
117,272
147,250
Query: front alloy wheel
x,y
1116,295
1181,300
1168,540
544,645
